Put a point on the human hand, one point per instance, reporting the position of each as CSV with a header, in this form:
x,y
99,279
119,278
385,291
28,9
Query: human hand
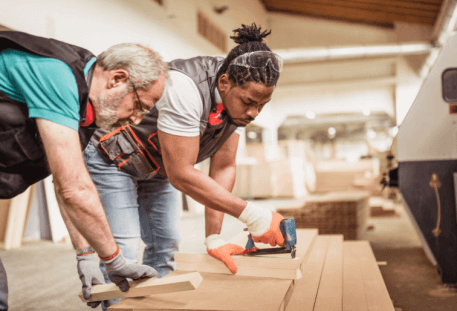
x,y
89,274
219,249
118,270
263,224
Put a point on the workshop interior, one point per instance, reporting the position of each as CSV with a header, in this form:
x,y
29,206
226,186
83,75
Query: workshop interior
x,y
357,149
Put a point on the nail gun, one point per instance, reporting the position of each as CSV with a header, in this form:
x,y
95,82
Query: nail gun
x,y
288,230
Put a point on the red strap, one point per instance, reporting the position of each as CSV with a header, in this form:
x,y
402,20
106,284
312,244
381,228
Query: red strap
x,y
90,115
112,256
85,254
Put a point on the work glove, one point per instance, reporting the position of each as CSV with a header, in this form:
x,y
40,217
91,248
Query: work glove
x,y
263,224
219,249
89,274
118,270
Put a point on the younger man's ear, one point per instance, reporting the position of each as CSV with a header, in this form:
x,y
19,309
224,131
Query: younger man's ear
x,y
224,83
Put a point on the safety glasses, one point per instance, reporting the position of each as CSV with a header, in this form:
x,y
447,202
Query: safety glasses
x,y
139,105
259,59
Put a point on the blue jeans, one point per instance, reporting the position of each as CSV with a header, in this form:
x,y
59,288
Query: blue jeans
x,y
3,288
138,208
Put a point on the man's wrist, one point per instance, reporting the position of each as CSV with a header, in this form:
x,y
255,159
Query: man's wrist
x,y
214,241
85,251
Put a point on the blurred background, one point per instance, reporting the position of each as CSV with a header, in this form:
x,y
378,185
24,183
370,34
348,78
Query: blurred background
x,y
352,71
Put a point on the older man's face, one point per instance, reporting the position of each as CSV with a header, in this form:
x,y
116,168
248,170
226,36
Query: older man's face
x,y
121,107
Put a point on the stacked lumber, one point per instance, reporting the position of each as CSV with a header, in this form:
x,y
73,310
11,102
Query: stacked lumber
x,y
275,171
333,213
337,275
341,175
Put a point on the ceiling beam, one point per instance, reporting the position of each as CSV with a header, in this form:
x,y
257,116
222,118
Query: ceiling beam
x,y
361,51
358,12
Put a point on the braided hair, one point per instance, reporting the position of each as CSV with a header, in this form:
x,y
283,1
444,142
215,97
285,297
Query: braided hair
x,y
249,39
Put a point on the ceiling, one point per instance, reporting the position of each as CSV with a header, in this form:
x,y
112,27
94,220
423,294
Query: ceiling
x,y
377,12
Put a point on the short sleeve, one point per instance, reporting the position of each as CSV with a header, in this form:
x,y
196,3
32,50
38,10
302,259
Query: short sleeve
x,y
181,107
48,87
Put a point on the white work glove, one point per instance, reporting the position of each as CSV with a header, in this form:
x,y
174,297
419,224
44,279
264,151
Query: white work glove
x,y
219,249
263,224
118,270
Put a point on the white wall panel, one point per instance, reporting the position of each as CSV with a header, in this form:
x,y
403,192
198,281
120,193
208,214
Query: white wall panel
x,y
428,131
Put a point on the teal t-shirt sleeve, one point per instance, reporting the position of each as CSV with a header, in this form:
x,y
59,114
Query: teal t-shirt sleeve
x,y
46,85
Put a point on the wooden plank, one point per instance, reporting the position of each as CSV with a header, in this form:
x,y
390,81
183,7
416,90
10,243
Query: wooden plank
x,y
305,290
17,217
277,266
354,298
212,265
4,211
146,287
377,296
216,292
330,293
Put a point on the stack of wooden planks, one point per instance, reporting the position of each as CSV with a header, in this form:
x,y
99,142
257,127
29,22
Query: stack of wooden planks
x,y
336,275
333,213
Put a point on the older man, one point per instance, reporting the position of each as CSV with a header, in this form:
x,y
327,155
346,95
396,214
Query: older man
x,y
50,91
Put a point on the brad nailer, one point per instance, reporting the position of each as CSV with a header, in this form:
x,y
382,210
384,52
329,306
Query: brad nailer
x,y
289,232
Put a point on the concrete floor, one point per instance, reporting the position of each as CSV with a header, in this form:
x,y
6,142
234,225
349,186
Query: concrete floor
x,y
42,275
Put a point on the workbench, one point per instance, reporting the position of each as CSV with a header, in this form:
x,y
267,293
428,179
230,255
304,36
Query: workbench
x,y
336,275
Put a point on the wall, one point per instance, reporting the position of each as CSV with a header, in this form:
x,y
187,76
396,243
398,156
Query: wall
x,y
314,32
171,29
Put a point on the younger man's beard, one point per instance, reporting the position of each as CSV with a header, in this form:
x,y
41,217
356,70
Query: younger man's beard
x,y
106,114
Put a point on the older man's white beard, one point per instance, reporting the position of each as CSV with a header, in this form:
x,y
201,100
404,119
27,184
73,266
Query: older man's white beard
x,y
106,114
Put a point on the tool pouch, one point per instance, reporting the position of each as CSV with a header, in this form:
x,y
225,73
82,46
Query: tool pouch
x,y
127,151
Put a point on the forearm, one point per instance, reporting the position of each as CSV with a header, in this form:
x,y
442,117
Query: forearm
x,y
214,218
86,219
76,237
208,192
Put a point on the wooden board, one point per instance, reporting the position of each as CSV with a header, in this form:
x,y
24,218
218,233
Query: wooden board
x,y
376,293
277,266
330,293
17,216
246,265
305,291
337,275
146,287
216,292
354,297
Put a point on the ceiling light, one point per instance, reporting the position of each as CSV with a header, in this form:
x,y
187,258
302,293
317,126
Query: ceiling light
x,y
310,115
371,134
393,131
366,112
252,135
331,132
